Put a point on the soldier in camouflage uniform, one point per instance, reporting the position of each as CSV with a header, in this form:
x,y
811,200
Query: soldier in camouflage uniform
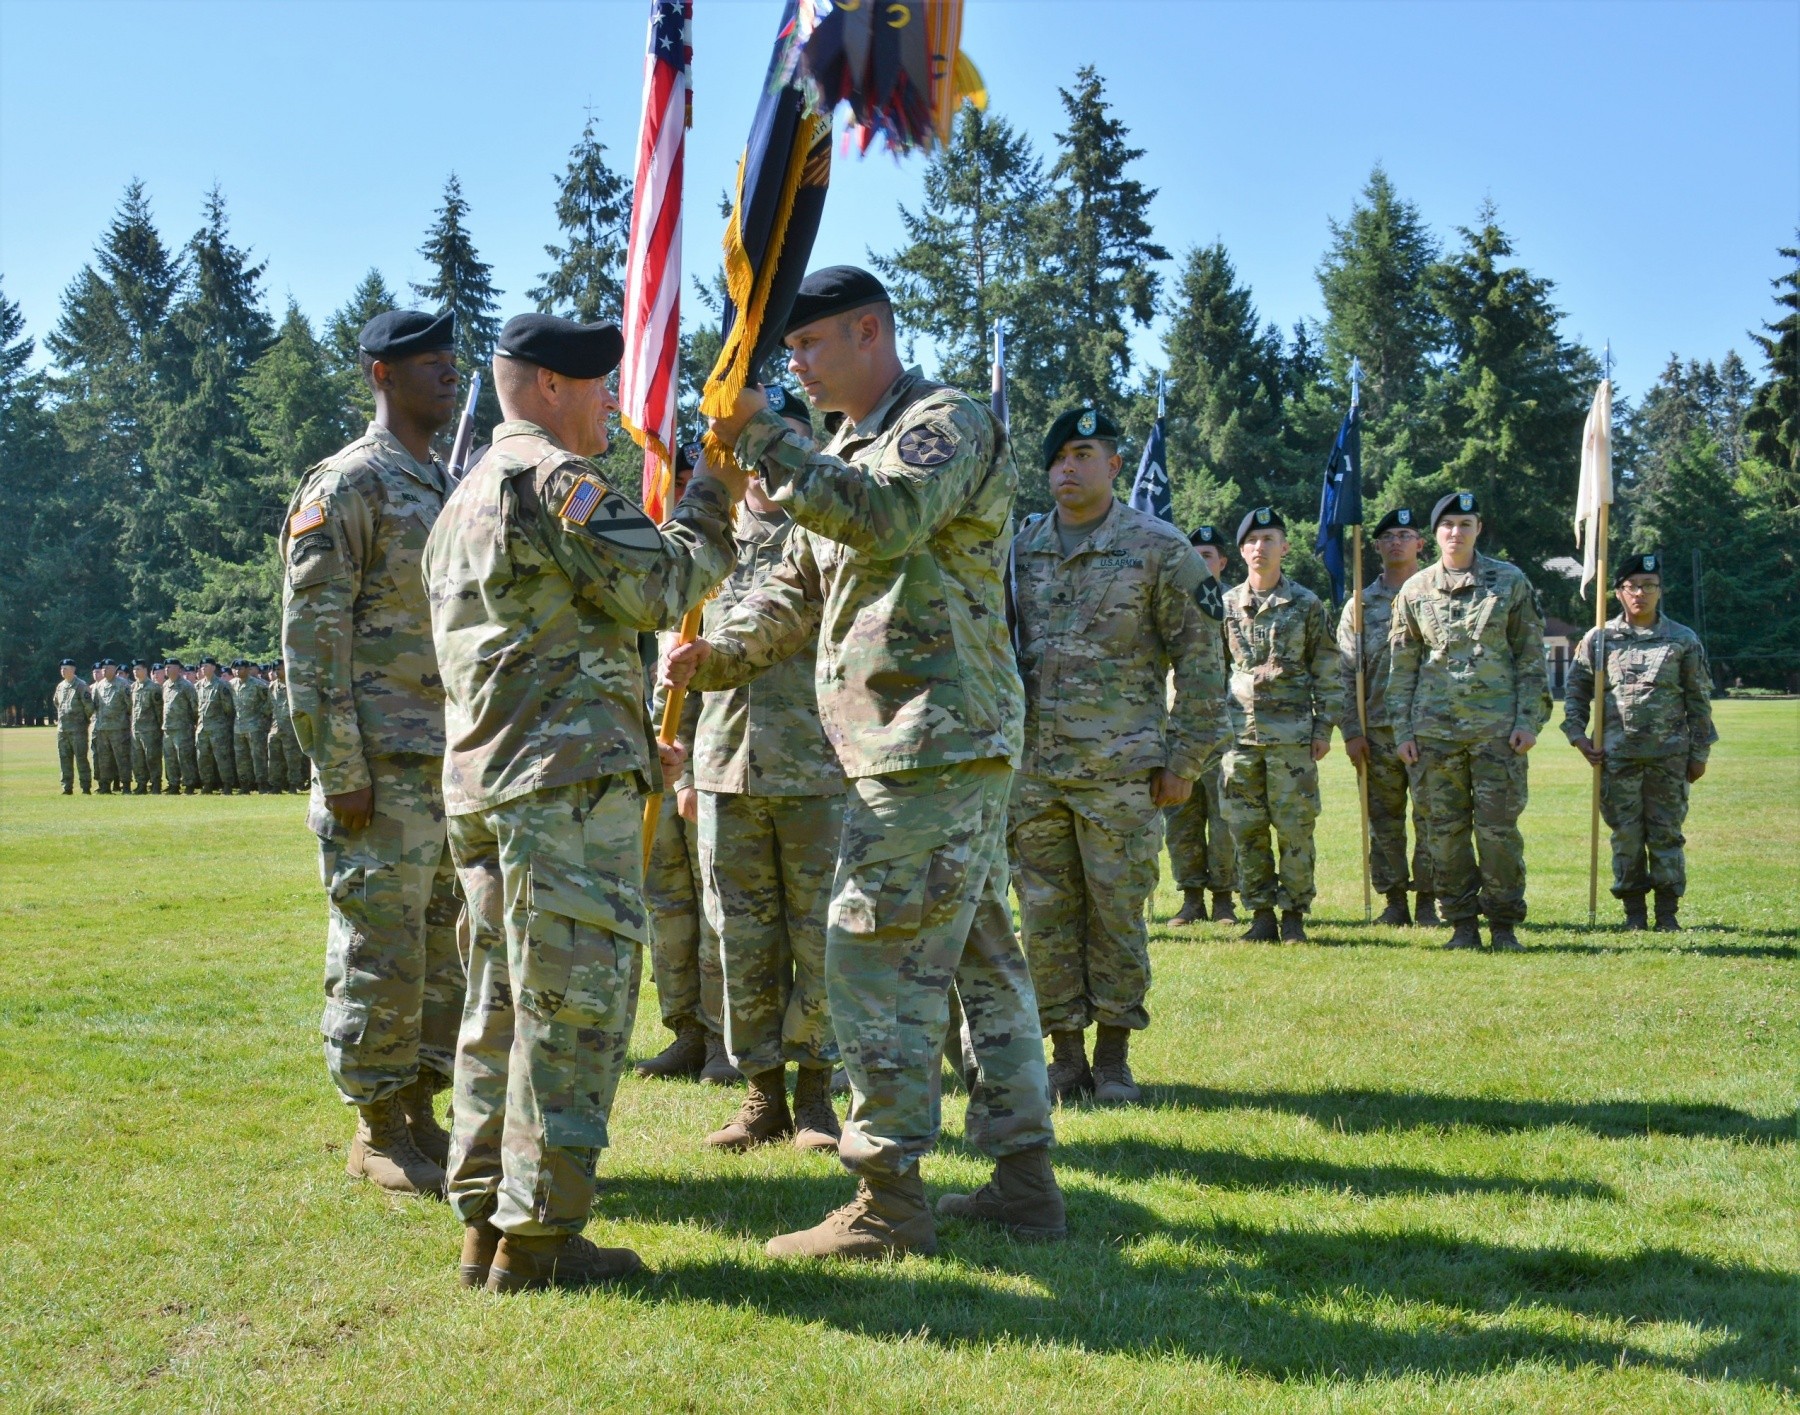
x,y
253,715
214,706
540,577
368,709
110,734
288,769
1659,733
1467,694
146,730
1202,855
74,711
1284,694
1369,741
771,811
1109,600
181,716
895,567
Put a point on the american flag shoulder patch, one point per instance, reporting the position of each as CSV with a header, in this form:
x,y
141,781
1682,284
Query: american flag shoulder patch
x,y
308,518
582,501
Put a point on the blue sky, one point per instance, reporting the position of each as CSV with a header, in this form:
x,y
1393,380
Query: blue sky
x,y
1645,156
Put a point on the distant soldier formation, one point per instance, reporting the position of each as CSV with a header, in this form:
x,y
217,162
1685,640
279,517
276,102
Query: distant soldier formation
x,y
166,722
900,711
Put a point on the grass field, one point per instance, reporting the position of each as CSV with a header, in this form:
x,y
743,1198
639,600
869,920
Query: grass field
x,y
1371,1175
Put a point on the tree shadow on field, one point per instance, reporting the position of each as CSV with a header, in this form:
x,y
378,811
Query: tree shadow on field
x,y
1365,1111
1354,933
1268,1300
1137,1159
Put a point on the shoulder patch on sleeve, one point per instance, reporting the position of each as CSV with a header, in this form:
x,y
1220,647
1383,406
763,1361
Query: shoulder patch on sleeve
x,y
596,510
930,446
1207,596
308,518
584,498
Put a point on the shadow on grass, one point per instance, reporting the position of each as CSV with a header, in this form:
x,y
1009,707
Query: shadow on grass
x,y
1279,1302
1227,1169
1362,1111
1346,933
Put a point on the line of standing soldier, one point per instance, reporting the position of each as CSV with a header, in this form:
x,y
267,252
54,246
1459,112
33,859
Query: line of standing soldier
x,y
201,732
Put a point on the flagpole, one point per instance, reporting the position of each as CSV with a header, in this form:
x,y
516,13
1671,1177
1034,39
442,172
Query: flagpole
x,y
1362,700
669,729
1600,585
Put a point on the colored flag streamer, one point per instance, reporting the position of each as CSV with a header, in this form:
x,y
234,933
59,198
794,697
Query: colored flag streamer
x,y
1150,491
1596,486
1340,499
648,372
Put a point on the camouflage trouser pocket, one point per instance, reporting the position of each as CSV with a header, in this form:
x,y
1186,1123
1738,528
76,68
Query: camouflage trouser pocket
x,y
367,916
898,897
578,949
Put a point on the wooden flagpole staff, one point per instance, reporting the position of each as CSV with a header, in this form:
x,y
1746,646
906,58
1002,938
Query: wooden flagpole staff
x,y
668,728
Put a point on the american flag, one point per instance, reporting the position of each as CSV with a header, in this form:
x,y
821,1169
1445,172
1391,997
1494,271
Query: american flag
x,y
652,325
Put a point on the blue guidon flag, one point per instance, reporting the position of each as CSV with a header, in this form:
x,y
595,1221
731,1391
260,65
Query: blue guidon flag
x,y
1150,492
1340,499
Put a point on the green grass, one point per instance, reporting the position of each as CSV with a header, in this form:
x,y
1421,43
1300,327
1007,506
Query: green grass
x,y
1372,1175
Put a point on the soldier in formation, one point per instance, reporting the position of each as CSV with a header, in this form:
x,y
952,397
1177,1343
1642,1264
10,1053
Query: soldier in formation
x,y
1369,736
251,719
367,705
288,770
1201,852
109,735
146,728
214,754
180,720
74,711
1467,695
1284,695
540,577
1110,603
1658,734
895,570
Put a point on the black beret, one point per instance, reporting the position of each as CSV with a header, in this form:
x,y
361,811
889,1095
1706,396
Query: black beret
x,y
1648,564
687,456
396,334
106,663
140,663
837,289
1206,535
563,346
1077,423
785,403
67,663
1400,518
209,659
240,663
1261,518
1457,503
174,663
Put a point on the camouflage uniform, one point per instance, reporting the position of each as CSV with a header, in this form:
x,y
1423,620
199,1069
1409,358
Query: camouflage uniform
x,y
110,734
771,812
684,946
214,707
903,523
181,714
146,735
1658,722
250,731
540,578
287,763
368,708
1099,630
1282,697
1390,779
1466,671
74,711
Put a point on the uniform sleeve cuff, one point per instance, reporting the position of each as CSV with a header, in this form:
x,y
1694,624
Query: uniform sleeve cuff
x,y
343,778
761,433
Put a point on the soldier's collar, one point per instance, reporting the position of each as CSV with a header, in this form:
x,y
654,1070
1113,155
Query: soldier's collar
x,y
429,473
869,425
1279,593
522,427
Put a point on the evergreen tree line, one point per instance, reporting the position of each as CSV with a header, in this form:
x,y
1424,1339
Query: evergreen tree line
x,y
144,471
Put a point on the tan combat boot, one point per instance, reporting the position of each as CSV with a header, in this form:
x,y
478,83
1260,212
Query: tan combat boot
x,y
421,1117
762,1118
1022,1197
682,1057
1193,907
717,1069
888,1217
1113,1082
815,1119
1395,914
480,1240
384,1153
1223,911
1070,1078
557,1260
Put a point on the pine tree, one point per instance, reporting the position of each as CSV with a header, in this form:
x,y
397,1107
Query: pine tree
x,y
1096,243
1224,402
1773,423
593,208
463,283
370,298
1509,407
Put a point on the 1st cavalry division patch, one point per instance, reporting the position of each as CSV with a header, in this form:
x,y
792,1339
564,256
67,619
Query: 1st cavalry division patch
x,y
308,518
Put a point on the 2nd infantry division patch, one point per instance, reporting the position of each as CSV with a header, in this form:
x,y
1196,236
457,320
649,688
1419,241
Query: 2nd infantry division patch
x,y
1207,596
927,447
308,518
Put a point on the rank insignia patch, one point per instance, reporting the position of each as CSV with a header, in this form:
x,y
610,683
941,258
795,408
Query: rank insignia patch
x,y
582,501
926,447
308,518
